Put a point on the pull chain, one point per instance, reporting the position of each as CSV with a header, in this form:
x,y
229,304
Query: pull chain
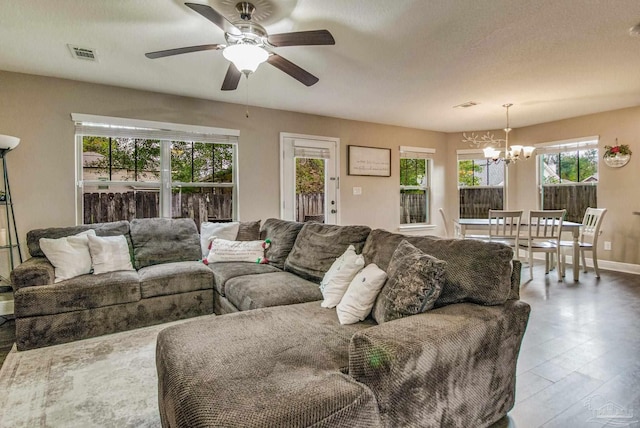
x,y
247,103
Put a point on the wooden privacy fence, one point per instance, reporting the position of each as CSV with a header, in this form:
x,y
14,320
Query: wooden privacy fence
x,y
104,207
309,204
575,199
475,202
413,208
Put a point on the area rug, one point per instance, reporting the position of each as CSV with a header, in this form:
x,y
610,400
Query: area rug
x,y
107,381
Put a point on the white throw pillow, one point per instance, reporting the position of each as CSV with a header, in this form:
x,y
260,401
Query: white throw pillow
x,y
208,230
69,255
223,250
339,276
109,254
357,302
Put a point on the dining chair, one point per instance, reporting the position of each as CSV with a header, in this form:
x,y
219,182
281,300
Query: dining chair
x,y
544,230
504,227
456,227
589,233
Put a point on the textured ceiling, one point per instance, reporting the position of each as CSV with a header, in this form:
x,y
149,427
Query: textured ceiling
x,y
402,62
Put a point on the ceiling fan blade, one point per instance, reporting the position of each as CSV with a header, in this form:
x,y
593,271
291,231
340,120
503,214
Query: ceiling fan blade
x,y
215,17
292,70
231,79
302,38
178,51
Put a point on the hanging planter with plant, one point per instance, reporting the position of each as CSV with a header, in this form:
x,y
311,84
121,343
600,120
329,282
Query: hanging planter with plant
x,y
617,156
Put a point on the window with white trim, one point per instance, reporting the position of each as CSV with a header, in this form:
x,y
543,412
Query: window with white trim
x,y
568,175
480,184
415,182
134,169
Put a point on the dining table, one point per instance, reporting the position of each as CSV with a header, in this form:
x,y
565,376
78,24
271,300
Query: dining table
x,y
568,226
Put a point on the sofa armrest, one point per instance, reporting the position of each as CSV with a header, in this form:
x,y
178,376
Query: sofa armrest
x,y
514,294
35,271
453,366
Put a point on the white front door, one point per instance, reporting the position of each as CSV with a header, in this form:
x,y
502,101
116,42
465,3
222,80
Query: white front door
x,y
309,181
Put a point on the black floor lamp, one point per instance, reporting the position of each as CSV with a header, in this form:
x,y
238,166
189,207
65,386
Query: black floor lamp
x,y
10,239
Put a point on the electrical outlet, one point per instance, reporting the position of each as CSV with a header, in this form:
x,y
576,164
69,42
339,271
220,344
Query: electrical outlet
x,y
357,190
607,245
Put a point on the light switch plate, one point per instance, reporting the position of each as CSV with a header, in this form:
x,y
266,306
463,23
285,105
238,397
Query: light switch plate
x,y
357,190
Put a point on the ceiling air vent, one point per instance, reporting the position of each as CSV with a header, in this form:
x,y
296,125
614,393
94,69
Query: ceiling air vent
x,y
466,105
83,53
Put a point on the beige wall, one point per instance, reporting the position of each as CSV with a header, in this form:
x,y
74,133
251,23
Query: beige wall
x,y
37,109
618,188
42,169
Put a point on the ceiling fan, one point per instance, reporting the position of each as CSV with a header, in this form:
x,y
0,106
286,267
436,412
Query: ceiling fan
x,y
249,45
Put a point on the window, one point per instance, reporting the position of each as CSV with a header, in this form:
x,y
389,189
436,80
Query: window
x,y
135,169
568,175
480,184
415,166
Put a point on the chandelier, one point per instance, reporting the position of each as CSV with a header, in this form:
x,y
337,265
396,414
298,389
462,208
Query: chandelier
x,y
492,145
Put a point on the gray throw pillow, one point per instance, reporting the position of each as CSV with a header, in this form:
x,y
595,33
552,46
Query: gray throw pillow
x,y
415,282
249,231
319,245
281,235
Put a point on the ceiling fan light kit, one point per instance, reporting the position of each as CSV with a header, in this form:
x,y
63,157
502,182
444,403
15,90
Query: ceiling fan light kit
x,y
249,45
245,57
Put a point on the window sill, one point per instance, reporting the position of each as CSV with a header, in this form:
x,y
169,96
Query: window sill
x,y
416,227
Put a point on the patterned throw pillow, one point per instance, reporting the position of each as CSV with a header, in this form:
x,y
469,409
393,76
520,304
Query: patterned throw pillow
x,y
223,250
415,282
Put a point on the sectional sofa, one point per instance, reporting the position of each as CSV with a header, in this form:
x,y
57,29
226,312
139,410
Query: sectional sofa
x,y
169,282
276,357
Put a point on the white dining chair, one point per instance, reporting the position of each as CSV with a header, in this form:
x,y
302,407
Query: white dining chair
x,y
589,233
545,228
504,227
456,227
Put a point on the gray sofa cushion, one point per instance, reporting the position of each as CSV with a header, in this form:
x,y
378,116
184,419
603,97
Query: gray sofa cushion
x,y
163,240
270,289
269,367
174,278
476,271
282,235
102,229
248,231
224,271
413,285
81,292
318,245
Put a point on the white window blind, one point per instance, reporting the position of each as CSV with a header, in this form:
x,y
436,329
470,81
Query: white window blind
x,y
311,152
573,145
103,126
470,154
416,152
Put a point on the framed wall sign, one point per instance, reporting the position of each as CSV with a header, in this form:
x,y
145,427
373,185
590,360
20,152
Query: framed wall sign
x,y
369,161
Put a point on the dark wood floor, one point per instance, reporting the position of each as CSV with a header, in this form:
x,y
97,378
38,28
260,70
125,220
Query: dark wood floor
x,y
579,365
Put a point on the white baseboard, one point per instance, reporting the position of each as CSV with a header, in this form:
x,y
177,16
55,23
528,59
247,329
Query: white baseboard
x,y
603,264
6,307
